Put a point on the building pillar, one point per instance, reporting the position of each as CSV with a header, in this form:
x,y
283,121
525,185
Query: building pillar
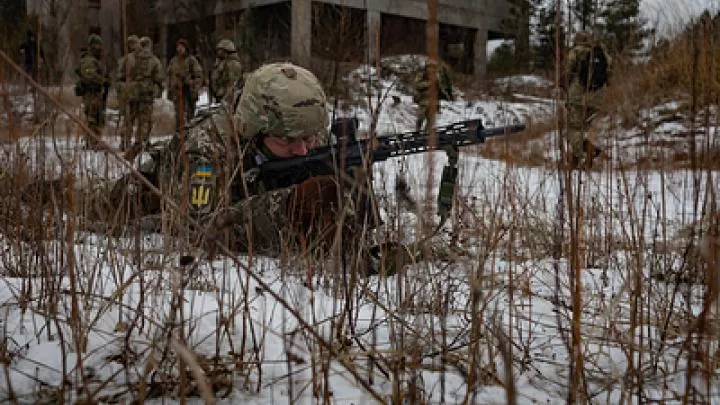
x,y
301,32
373,24
480,52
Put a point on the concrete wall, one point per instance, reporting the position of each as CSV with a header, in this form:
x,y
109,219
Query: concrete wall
x,y
483,17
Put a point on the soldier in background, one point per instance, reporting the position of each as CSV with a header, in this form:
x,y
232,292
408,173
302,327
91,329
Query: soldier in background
x,y
122,79
93,86
145,73
588,71
185,79
227,72
422,90
32,55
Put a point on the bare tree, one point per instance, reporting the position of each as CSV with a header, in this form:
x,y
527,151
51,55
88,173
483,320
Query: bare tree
x,y
58,33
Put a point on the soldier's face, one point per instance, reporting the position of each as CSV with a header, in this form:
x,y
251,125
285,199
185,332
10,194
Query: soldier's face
x,y
286,147
180,48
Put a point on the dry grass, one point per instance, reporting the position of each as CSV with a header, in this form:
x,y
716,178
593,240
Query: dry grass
x,y
524,149
546,282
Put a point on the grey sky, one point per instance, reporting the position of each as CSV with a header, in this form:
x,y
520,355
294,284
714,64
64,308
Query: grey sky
x,y
669,15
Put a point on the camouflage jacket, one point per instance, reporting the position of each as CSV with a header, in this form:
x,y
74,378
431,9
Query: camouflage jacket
x,y
227,73
578,53
184,71
92,73
121,78
213,162
444,83
146,77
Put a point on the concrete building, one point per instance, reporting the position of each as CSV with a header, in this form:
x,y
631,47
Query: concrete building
x,y
306,31
346,30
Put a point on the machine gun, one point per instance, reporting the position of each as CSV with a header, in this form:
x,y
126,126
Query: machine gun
x,y
350,152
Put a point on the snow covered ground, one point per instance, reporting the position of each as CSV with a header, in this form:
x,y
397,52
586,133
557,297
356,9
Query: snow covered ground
x,y
262,330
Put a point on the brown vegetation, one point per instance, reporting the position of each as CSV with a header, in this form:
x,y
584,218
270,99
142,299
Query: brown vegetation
x,y
508,256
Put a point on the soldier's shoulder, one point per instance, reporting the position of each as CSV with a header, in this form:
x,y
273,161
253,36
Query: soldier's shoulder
x,y
88,61
216,120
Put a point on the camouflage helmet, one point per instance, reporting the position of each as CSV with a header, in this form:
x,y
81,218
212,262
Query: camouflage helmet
x,y
226,45
582,37
146,43
132,40
94,39
282,99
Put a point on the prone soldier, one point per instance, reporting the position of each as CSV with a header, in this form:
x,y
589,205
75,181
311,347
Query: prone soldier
x,y
282,113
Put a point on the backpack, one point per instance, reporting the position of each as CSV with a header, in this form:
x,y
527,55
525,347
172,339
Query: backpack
x,y
592,70
142,86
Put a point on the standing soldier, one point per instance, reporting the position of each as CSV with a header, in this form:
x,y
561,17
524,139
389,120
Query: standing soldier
x,y
93,87
122,79
32,55
588,71
146,76
185,78
227,73
422,90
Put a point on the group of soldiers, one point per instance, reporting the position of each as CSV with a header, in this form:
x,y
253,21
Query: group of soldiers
x,y
140,78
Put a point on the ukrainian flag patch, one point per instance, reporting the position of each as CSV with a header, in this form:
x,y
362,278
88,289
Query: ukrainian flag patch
x,y
204,171
202,189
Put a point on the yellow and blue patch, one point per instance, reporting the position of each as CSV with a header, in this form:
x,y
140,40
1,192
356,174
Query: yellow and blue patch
x,y
202,189
204,171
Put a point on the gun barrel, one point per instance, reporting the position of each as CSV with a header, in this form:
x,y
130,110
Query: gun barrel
x,y
331,159
498,131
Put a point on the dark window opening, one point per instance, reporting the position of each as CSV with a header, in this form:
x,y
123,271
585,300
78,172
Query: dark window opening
x,y
338,33
402,35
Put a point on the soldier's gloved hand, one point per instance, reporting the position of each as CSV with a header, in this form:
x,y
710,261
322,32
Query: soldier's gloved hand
x,y
314,210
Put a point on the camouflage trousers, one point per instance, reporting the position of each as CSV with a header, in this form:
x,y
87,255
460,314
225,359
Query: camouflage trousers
x,y
582,105
139,113
122,98
184,108
94,110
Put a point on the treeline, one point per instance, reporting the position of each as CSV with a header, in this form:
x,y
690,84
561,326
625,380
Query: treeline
x,y
543,30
